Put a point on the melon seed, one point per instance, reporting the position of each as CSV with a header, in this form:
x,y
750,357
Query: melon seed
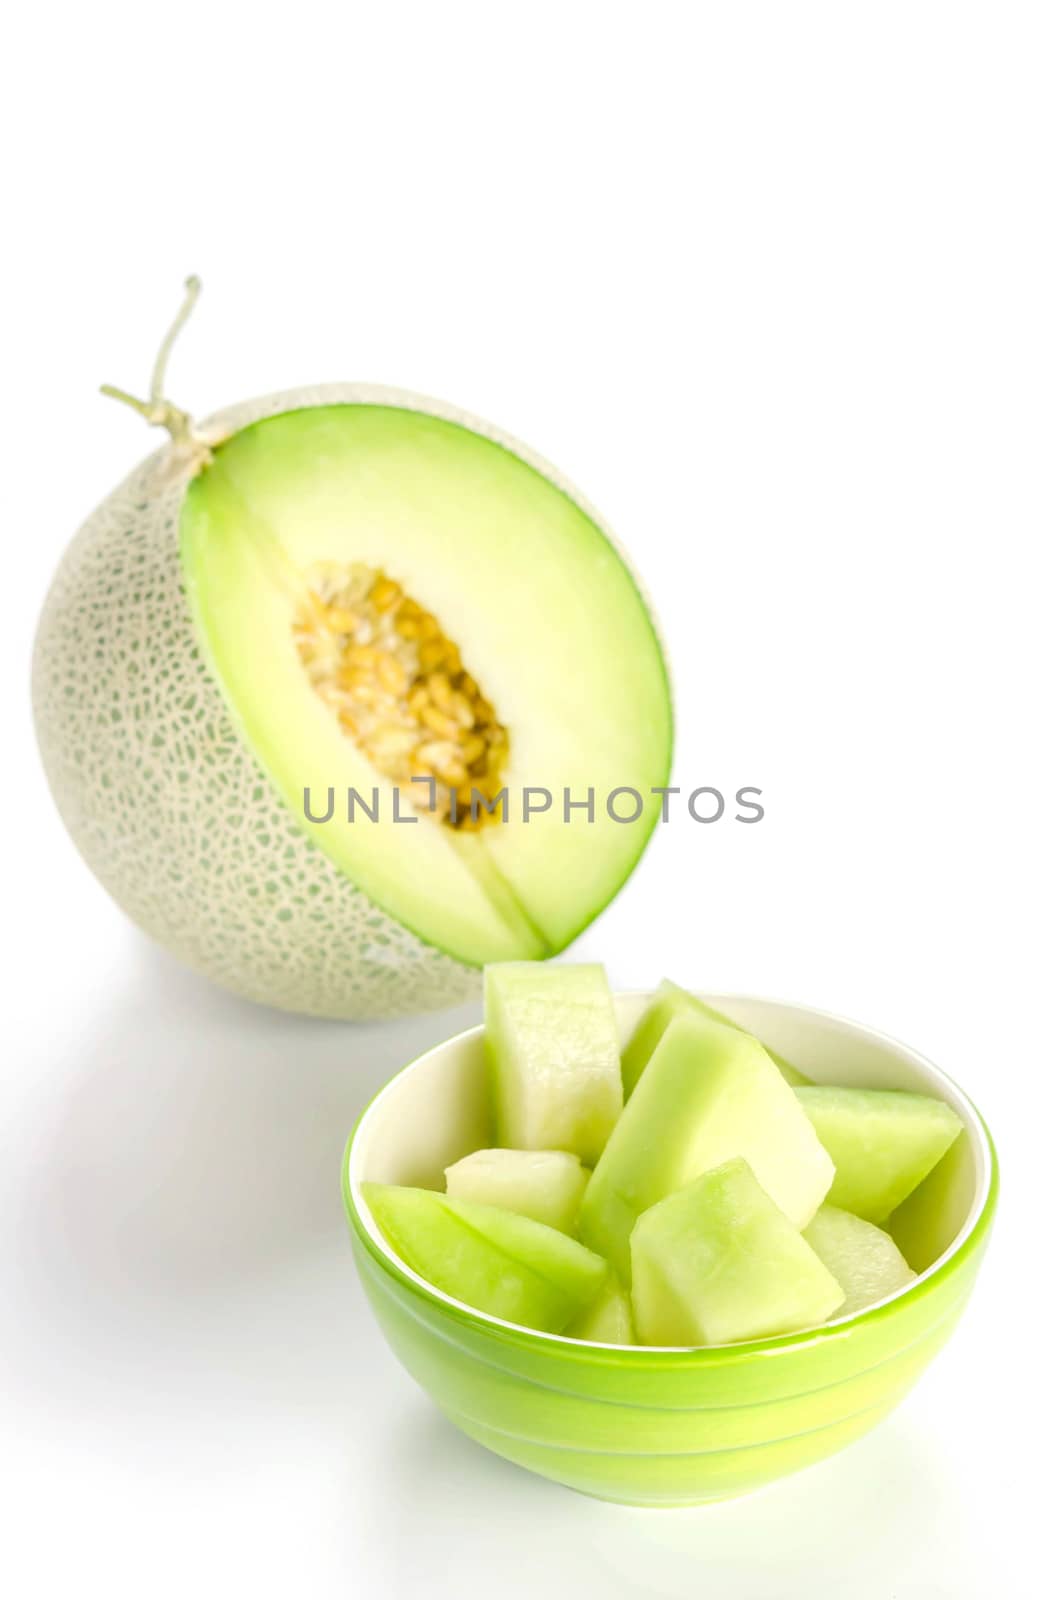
x,y
399,689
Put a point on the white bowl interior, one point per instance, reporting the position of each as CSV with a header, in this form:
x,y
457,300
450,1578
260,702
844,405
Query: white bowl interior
x,y
437,1110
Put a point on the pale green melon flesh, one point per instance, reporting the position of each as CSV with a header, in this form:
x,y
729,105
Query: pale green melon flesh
x,y
492,1260
928,1221
669,1001
547,616
546,1185
883,1143
552,1044
718,1262
710,1092
609,1320
864,1261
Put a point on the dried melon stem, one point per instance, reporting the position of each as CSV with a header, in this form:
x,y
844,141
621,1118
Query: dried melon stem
x,y
399,689
192,446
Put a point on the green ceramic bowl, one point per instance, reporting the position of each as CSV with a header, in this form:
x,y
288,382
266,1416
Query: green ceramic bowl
x,y
666,1427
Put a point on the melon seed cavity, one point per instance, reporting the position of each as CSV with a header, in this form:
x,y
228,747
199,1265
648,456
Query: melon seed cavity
x,y
399,689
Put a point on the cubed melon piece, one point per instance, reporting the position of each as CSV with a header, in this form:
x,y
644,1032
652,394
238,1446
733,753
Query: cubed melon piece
x,y
865,1262
883,1142
927,1221
718,1262
546,1185
493,1260
552,1043
609,1320
709,1092
668,1002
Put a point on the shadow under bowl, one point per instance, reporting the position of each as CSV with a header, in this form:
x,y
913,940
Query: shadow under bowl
x,y
654,1426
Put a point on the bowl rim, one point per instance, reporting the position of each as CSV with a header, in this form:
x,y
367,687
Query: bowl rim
x,y
966,1242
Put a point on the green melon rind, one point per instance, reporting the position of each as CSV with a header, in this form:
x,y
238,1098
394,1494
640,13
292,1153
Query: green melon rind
x,y
490,1259
162,797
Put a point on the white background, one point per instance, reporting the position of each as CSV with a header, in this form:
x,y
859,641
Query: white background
x,y
779,287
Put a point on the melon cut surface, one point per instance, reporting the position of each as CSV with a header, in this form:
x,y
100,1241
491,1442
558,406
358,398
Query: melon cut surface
x,y
718,1262
545,616
884,1142
670,1001
710,1092
552,1044
609,1320
197,655
864,1261
546,1185
487,1258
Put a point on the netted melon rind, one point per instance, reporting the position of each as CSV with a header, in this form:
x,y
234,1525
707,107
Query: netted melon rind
x,y
166,804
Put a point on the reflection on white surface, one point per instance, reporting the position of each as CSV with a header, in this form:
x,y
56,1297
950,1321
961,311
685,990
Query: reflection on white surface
x,y
185,1179
189,1305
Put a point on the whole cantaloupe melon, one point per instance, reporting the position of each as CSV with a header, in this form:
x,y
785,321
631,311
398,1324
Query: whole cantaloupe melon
x,y
349,588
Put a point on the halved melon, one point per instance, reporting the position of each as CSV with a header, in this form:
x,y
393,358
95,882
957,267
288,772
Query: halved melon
x,y
360,591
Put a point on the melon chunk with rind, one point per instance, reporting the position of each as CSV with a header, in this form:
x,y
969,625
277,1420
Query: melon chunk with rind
x,y
927,1221
668,1002
546,1185
718,1262
492,1260
609,1320
553,1048
884,1142
709,1093
864,1261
